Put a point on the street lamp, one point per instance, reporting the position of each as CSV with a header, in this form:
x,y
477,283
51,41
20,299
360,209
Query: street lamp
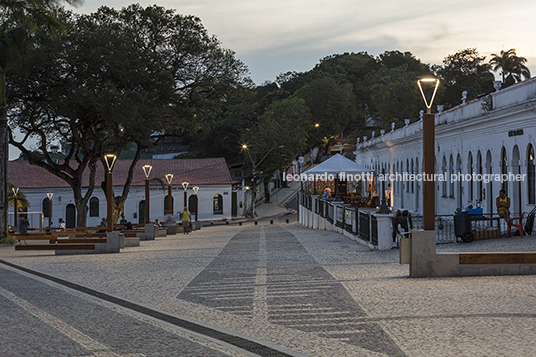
x,y
196,189
383,207
431,85
147,171
49,195
15,192
185,186
245,147
169,178
110,161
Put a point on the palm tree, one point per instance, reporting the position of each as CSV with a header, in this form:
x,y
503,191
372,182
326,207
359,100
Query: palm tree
x,y
512,67
19,19
22,201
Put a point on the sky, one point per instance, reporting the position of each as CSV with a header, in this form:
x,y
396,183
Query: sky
x,y
276,36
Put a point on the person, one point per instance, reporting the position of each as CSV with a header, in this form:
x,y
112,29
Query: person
x,y
185,220
402,219
23,226
102,224
123,221
326,194
157,223
128,225
62,224
503,205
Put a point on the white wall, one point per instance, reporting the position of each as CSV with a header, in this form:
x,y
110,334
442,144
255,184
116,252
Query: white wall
x,y
465,131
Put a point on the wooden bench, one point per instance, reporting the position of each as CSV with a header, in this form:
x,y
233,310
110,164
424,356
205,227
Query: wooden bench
x,y
498,258
56,247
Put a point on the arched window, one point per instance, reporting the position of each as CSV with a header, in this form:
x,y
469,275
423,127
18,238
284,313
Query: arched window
x,y
444,182
94,207
504,169
470,169
409,172
413,173
531,175
480,171
217,204
168,209
192,203
451,181
45,208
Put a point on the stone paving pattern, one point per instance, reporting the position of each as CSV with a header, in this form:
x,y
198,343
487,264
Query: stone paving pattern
x,y
314,292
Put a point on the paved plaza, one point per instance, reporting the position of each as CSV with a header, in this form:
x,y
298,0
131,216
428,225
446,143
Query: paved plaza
x,y
298,291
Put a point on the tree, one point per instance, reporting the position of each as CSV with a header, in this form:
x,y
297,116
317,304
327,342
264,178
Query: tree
x,y
332,106
512,68
463,71
279,136
93,94
23,23
22,201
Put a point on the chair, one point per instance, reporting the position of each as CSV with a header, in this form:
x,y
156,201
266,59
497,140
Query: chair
x,y
519,225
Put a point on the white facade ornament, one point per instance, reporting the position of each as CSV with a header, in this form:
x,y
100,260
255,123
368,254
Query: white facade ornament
x,y
464,97
364,138
440,108
421,115
393,126
382,132
373,135
407,121
497,85
358,139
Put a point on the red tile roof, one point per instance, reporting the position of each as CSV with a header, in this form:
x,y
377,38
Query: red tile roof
x,y
212,171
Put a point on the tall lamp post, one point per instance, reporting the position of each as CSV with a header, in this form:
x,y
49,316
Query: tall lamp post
x,y
169,178
196,189
431,85
147,171
253,189
15,193
185,186
110,161
49,195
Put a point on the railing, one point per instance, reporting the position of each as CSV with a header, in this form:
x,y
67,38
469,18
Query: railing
x,y
489,226
340,216
364,226
330,212
373,230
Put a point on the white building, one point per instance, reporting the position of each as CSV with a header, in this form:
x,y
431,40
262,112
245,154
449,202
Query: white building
x,y
489,137
211,175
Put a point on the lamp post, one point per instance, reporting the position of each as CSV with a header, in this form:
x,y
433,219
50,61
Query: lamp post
x,y
383,207
169,178
147,171
253,190
15,192
196,189
185,186
110,161
428,152
49,195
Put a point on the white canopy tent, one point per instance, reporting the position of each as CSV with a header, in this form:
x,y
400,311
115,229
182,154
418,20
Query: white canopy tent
x,y
336,167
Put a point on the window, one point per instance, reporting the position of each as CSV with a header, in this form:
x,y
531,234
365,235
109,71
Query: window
x,y
504,169
217,204
167,208
94,207
444,182
531,175
45,208
480,171
471,171
451,173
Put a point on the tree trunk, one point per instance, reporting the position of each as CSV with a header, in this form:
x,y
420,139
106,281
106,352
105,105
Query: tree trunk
x,y
266,191
4,157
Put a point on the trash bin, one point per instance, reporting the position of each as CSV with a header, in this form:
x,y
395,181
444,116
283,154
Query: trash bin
x,y
462,226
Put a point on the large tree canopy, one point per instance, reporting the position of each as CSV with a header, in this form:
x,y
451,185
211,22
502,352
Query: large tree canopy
x,y
118,77
511,67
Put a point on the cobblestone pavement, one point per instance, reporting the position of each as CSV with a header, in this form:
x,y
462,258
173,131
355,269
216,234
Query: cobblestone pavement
x,y
314,292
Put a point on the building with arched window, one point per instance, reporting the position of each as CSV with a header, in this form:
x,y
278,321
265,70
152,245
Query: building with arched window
x,y
476,146
210,175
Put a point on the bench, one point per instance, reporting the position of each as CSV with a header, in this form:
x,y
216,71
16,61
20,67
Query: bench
x,y
56,247
498,258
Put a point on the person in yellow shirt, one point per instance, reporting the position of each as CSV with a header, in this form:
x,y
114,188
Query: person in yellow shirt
x,y
503,205
185,220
